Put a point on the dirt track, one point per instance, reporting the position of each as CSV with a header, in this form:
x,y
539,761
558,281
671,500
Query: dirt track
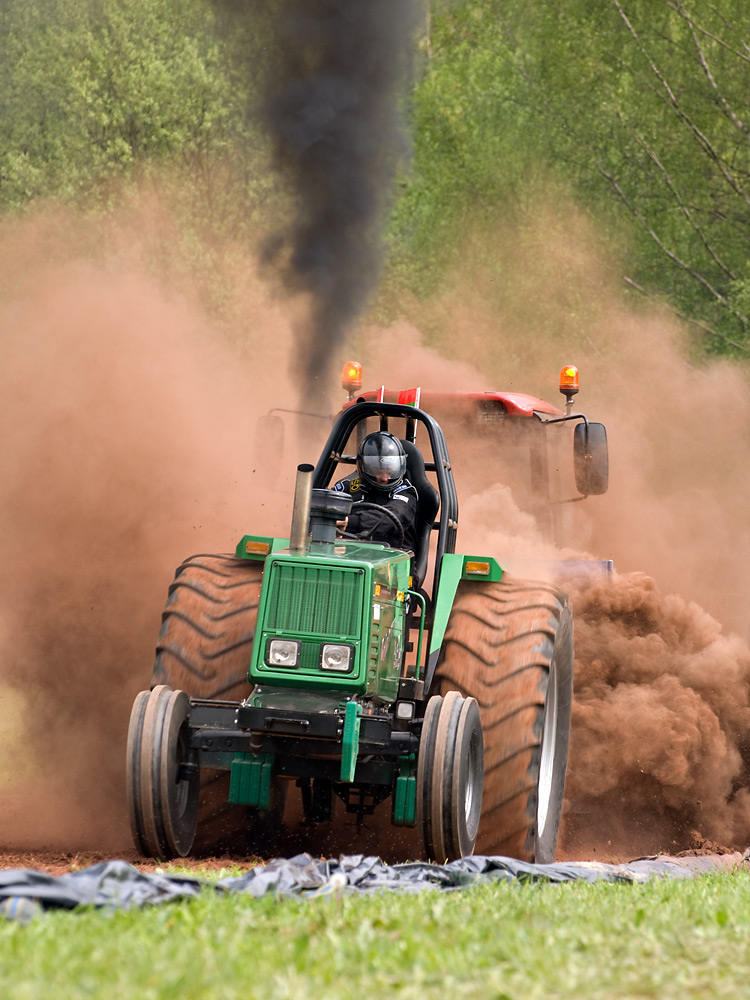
x,y
59,863
342,839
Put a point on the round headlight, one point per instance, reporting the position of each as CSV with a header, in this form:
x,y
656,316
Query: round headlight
x,y
335,656
283,653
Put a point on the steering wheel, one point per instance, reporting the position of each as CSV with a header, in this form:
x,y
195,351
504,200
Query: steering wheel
x,y
385,514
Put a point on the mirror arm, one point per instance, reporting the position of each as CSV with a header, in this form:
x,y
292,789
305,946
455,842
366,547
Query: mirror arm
x,y
568,416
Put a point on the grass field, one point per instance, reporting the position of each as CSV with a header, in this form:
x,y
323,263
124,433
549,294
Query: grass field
x,y
665,939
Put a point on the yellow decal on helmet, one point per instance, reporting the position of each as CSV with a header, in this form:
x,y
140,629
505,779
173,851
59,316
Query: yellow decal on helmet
x,y
354,485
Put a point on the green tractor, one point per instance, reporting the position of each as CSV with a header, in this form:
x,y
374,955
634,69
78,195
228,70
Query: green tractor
x,y
354,670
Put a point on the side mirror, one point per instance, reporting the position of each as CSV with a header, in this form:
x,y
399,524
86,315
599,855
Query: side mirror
x,y
591,459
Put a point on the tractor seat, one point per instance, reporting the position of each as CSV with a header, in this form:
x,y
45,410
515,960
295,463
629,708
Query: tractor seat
x,y
427,508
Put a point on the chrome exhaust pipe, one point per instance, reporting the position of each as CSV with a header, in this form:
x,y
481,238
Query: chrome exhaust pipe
x,y
300,531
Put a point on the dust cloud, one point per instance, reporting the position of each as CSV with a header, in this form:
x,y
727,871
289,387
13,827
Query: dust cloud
x,y
127,418
661,723
660,747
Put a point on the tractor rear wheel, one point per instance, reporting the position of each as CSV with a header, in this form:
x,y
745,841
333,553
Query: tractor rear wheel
x,y
162,782
204,648
510,646
208,627
449,777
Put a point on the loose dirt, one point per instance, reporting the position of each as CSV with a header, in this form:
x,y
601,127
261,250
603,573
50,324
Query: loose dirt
x,y
60,863
660,747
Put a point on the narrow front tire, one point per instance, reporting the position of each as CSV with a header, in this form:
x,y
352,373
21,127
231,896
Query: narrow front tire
x,y
162,779
450,774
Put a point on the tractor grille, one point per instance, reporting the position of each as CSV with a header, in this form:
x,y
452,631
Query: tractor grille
x,y
314,600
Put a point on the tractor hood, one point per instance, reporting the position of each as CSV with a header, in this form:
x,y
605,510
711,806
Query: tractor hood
x,y
332,619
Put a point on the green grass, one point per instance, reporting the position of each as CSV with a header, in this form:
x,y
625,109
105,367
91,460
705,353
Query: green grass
x,y
664,939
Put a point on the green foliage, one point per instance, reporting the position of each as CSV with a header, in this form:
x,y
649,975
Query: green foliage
x,y
639,107
112,106
672,940
92,88
637,110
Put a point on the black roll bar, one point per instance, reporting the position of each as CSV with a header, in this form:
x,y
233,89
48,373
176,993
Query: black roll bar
x,y
332,454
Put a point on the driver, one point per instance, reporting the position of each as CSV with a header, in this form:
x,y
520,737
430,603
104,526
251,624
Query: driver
x,y
381,480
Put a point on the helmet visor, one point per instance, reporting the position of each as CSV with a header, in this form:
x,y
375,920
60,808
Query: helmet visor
x,y
382,461
385,470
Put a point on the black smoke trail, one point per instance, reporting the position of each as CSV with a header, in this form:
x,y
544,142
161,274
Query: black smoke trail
x,y
334,93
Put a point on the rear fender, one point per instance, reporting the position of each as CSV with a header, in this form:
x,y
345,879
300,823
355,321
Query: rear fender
x,y
454,568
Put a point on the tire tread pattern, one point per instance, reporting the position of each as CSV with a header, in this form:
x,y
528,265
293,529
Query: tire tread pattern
x,y
204,648
208,627
498,648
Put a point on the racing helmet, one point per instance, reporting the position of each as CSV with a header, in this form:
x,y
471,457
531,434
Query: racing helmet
x,y
381,460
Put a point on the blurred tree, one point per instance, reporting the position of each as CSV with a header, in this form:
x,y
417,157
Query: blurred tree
x,y
639,106
92,88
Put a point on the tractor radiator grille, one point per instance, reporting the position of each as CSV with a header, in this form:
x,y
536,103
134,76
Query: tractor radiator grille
x,y
317,600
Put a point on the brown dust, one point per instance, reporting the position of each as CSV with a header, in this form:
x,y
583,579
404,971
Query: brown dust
x,y
128,427
128,421
660,745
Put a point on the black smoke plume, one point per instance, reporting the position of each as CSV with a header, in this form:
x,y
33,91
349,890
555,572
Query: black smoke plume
x,y
334,93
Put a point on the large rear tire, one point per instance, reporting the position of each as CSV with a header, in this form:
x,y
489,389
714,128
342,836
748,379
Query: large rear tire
x,y
208,627
449,777
510,646
204,647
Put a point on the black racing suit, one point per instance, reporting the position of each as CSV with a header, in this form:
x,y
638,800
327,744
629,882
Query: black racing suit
x,y
401,501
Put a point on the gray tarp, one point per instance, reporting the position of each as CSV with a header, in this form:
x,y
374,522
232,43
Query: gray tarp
x,y
116,884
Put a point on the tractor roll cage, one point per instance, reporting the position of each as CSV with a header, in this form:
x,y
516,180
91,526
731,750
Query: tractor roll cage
x,y
333,453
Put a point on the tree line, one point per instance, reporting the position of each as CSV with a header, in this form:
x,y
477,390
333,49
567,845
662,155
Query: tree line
x,y
640,108
636,108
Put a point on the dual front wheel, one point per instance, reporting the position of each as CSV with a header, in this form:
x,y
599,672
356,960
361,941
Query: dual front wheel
x,y
450,776
162,781
207,633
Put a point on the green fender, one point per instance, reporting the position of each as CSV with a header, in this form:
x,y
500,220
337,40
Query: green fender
x,y
453,569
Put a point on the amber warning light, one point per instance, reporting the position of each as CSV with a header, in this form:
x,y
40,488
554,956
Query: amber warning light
x,y
568,384
351,376
569,380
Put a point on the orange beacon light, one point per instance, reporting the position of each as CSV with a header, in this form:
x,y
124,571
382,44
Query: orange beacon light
x,y
568,384
351,377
